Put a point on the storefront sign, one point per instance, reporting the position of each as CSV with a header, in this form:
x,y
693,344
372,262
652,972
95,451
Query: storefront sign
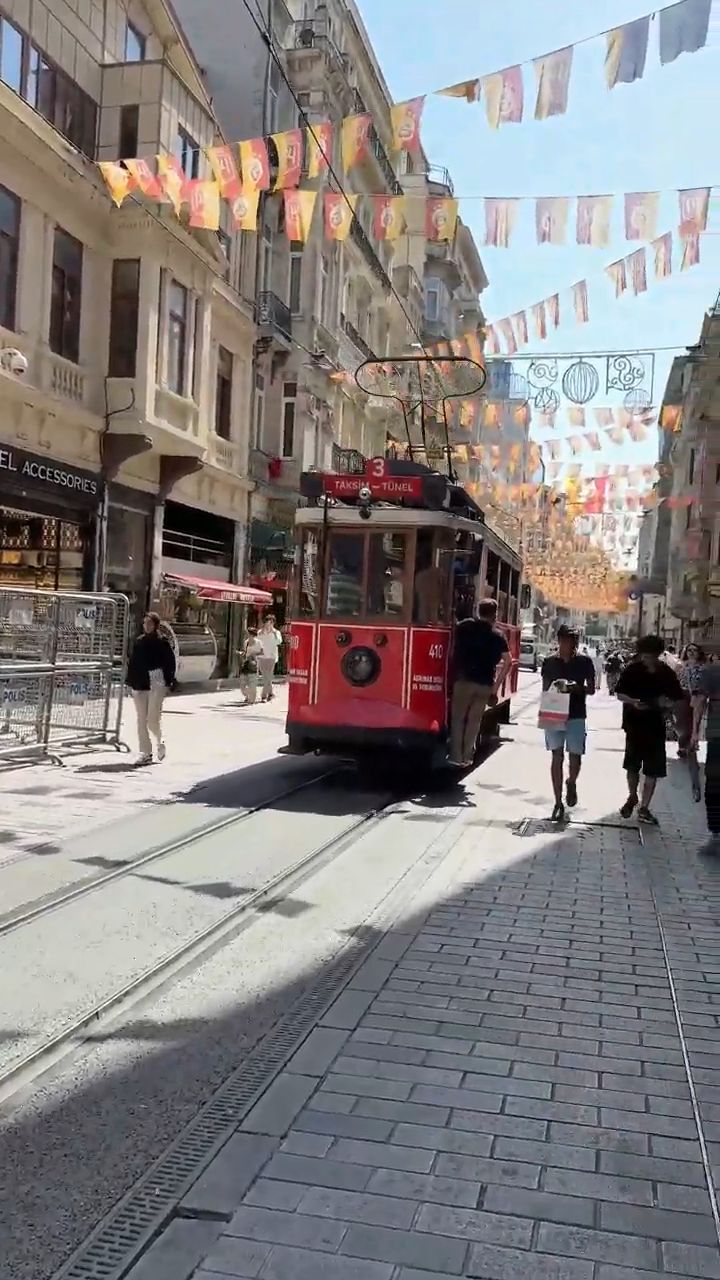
x,y
31,470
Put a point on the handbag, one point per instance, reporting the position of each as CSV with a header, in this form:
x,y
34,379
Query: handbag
x,y
554,709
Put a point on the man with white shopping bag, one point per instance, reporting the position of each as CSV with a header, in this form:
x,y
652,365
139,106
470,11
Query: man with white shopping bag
x,y
567,678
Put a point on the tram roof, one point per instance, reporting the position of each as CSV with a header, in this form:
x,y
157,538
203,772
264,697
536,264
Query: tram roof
x,y
386,514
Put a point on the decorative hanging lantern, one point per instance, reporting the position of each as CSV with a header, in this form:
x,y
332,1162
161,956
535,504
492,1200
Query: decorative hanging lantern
x,y
581,382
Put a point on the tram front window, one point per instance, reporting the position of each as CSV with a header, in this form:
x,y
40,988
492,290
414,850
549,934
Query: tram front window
x,y
345,575
386,575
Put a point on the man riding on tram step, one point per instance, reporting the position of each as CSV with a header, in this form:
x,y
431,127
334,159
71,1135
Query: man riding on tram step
x,y
481,661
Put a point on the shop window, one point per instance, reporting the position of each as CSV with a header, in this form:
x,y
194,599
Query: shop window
x,y
188,153
129,131
386,585
12,50
9,247
124,313
288,419
344,595
178,303
135,44
65,302
223,393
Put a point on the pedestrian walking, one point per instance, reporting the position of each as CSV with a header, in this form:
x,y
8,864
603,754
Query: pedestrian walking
x,y
613,671
572,673
647,688
270,641
250,655
706,701
481,660
150,673
693,661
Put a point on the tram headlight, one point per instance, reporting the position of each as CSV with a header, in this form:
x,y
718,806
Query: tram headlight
x,y
360,667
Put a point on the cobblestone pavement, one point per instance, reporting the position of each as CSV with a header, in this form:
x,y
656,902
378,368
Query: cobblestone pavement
x,y
523,1081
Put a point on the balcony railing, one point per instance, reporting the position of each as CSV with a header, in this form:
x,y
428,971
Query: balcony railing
x,y
438,173
272,315
376,266
378,150
357,338
313,34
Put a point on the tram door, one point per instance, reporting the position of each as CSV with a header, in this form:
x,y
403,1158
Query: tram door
x,y
466,566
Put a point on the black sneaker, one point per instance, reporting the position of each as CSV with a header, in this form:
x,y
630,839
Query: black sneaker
x,y
629,807
571,794
648,818
558,813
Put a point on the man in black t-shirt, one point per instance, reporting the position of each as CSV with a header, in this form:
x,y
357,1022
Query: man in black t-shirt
x,y
575,673
481,660
647,688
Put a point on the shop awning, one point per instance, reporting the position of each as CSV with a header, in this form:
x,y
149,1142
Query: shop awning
x,y
212,589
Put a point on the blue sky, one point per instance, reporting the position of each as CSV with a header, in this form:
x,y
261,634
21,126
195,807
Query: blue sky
x,y
657,134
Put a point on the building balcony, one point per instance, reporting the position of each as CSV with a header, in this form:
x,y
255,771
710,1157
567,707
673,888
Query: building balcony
x,y
376,267
179,417
409,285
438,175
357,339
224,454
312,57
377,152
273,318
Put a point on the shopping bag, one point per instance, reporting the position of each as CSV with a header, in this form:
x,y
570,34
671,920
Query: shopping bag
x,y
554,709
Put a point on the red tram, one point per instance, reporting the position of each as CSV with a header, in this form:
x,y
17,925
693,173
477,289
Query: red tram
x,y
385,564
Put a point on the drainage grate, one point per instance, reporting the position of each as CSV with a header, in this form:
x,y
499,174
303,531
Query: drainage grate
x,y
574,826
114,1246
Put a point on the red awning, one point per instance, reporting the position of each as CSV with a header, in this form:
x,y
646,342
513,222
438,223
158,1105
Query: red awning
x,y
212,589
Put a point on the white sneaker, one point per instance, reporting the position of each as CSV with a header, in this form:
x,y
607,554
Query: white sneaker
x,y
161,751
143,760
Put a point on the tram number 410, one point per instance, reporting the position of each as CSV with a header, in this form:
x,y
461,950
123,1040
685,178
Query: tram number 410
x,y
436,651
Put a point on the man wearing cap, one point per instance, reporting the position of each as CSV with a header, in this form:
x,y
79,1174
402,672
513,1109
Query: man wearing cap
x,y
573,673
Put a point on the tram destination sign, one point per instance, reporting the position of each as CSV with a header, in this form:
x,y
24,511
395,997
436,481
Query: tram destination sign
x,y
35,471
383,482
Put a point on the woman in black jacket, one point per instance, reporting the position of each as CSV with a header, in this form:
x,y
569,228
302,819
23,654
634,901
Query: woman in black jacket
x,y
150,673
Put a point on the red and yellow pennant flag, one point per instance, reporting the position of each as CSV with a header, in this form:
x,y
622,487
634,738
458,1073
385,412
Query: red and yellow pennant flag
x,y
289,147
500,218
492,344
474,349
552,306
338,212
318,144
299,207
405,120
519,324
173,181
244,209
576,416
504,98
671,418
594,441
508,335
593,220
389,217
204,201
641,215
604,417
662,249
354,139
637,271
615,435
617,274
551,218
468,415
691,250
580,302
254,165
539,320
552,73
118,180
441,214
222,162
467,89
145,179
626,52
694,207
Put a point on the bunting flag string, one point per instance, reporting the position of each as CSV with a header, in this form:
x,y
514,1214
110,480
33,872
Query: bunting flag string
x,y
682,28
591,224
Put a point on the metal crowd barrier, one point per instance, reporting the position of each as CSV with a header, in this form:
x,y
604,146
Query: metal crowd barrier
x,y
63,657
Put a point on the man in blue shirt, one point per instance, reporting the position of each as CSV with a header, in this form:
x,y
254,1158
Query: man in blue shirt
x,y
481,660
574,673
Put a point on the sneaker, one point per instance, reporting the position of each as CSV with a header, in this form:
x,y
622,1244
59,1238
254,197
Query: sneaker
x,y
162,751
649,819
571,794
629,807
558,813
143,760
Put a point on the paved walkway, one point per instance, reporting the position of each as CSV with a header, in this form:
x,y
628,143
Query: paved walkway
x,y
521,1083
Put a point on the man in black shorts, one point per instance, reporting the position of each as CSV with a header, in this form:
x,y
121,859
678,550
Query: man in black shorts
x,y
647,688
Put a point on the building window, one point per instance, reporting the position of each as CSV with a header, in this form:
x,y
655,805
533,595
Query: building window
x,y
691,467
178,303
58,98
124,313
432,302
223,393
12,50
689,517
129,131
324,290
295,277
267,257
66,295
188,153
9,248
259,410
288,419
134,44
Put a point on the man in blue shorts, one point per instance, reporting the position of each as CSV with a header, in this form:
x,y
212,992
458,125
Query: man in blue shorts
x,y
576,672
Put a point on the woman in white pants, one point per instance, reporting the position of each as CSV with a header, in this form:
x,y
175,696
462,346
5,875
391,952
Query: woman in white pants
x,y
270,639
151,672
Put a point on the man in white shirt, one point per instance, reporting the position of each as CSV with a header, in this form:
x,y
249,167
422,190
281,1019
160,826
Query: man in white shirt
x,y
270,639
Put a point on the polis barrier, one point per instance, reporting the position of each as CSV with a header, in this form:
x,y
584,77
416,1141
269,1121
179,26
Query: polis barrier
x,y
63,657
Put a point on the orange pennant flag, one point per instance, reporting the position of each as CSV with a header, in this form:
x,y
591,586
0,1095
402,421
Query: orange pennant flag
x,y
552,73
405,120
299,207
593,440
641,215
354,139
492,344
580,302
552,307
318,141
172,180
468,414
671,417
491,416
441,214
118,180
339,211
254,165
508,334
576,417
551,217
204,200
691,250
500,215
694,206
519,324
662,249
637,271
467,89
503,93
617,275
289,149
222,162
389,217
475,351
244,209
539,320
593,220
144,178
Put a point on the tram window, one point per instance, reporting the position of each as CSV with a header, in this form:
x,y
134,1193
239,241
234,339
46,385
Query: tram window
x,y
431,579
386,574
345,575
307,594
